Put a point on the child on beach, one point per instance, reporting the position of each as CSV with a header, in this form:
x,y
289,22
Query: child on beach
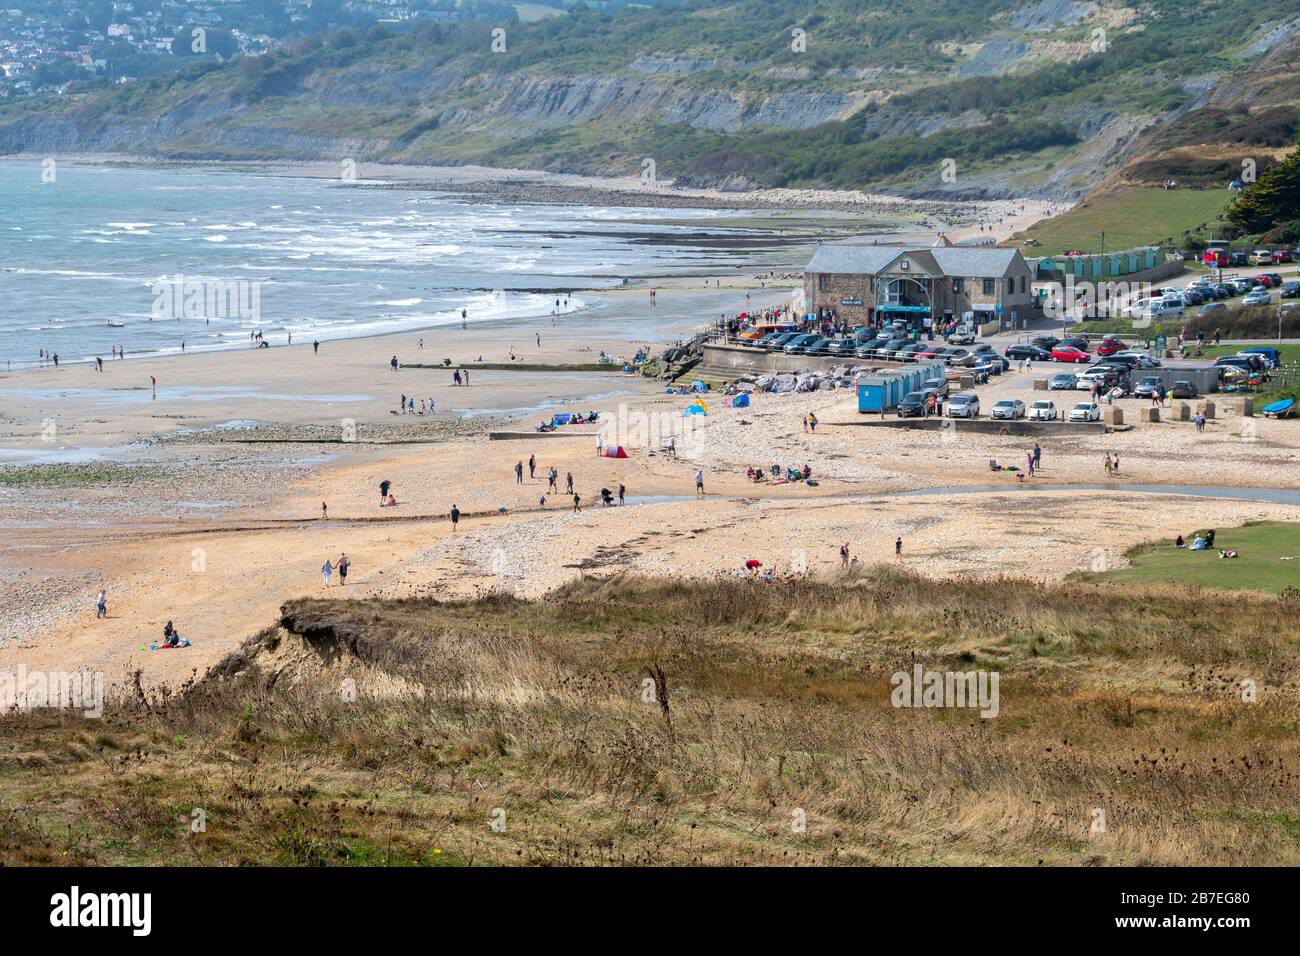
x,y
101,606
326,570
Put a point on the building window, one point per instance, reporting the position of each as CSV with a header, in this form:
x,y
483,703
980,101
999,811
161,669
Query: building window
x,y
823,281
989,286
1022,285
957,286
1011,287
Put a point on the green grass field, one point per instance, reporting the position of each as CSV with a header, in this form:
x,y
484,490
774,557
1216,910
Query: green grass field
x,y
1261,547
1131,216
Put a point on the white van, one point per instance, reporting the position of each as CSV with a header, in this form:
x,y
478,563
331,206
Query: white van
x,y
1154,309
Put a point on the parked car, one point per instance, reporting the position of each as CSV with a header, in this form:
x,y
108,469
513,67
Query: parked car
x,y
1182,390
963,405
1223,291
1143,360
1241,286
887,350
1155,309
797,344
1110,346
1281,255
1062,381
984,354
1212,309
939,386
1045,342
1268,353
1008,408
908,352
913,404
1264,281
1291,289
1192,297
962,335
1258,297
1261,257
1020,352
1085,412
1238,259
1042,412
958,357
1068,353
779,341
1147,386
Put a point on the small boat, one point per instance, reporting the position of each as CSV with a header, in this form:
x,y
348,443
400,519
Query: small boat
x,y
117,325
1280,409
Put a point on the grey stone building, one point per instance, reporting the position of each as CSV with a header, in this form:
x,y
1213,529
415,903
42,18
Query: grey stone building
x,y
864,284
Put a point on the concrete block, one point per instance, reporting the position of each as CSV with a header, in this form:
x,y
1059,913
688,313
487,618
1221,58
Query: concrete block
x,y
1040,385
1184,412
1248,408
1112,415
1150,413
1207,409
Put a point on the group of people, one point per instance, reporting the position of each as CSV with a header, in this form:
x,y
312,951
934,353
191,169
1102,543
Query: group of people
x,y
758,473
341,565
406,406
1204,541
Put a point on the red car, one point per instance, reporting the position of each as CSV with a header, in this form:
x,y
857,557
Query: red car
x,y
1265,281
1110,347
1068,353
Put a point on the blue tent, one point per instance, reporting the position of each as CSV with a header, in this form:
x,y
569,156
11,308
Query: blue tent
x,y
740,401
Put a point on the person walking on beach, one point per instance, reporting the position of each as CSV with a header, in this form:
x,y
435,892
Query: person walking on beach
x,y
455,517
600,444
324,511
1029,463
326,570
898,547
539,340
699,483
153,385
315,346
844,555
532,467
621,490
343,563
101,605
1038,457
383,491
812,423
393,363
1114,467
568,482
519,473
552,477
1107,464
455,377
577,503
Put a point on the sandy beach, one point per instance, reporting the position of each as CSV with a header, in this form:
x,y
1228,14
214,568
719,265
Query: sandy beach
x,y
218,523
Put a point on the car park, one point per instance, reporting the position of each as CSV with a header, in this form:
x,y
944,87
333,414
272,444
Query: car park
x,y
1068,353
1182,390
1085,412
1043,411
1062,380
1008,408
963,405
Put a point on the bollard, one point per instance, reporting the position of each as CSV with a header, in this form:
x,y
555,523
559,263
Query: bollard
x,y
1112,416
1184,412
1247,408
1207,409
1149,414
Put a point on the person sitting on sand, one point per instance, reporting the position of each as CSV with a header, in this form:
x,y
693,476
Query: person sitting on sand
x,y
392,501
1178,542
171,636
807,472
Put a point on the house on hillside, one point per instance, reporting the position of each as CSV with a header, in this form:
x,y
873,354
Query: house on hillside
x,y
869,285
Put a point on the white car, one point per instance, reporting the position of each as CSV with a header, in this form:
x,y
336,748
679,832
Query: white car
x,y
1008,408
1042,412
1258,297
963,405
1085,412
962,335
1155,309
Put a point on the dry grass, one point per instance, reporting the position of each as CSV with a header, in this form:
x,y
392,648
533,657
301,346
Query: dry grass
x,y
767,704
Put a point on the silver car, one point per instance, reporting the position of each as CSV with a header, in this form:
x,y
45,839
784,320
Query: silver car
x,y
1009,408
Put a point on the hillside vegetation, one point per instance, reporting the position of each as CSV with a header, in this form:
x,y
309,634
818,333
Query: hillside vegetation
x,y
724,722
1044,98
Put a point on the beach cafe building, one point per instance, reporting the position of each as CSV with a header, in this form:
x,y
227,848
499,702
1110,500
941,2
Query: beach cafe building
x,y
869,285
